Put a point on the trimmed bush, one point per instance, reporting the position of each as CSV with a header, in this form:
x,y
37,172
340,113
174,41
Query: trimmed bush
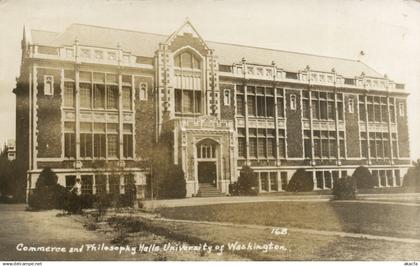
x,y
344,189
363,178
46,178
247,182
301,181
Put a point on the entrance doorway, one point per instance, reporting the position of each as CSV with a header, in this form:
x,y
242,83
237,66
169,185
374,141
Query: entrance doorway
x,y
207,172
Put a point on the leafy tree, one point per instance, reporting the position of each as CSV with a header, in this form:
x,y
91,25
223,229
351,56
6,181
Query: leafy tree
x,y
363,178
247,181
412,178
301,181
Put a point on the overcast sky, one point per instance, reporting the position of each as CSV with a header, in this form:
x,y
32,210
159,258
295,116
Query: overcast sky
x,y
388,31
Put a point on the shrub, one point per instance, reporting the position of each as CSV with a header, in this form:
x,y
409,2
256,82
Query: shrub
x,y
173,184
301,181
344,189
412,178
234,189
46,178
247,181
363,178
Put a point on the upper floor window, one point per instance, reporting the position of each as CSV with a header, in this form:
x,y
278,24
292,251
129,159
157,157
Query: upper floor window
x,y
187,60
293,102
401,109
48,85
226,97
142,91
351,106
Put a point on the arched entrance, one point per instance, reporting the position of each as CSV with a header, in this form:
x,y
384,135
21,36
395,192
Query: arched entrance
x,y
207,168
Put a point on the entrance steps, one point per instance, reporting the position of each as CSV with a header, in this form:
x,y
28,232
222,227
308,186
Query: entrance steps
x,y
208,190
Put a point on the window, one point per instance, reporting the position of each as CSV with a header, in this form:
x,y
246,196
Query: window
x,y
48,85
128,141
363,144
351,106
226,97
69,96
240,108
99,96
271,147
401,109
112,140
142,91
187,60
253,147
251,105
100,184
264,181
69,140
282,143
87,184
241,147
283,179
112,97
305,108
187,101
85,140
292,102
112,145
85,95
126,98
70,181
307,143
273,181
99,140
114,184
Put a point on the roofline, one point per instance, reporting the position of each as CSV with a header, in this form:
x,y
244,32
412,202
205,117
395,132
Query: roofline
x,y
208,41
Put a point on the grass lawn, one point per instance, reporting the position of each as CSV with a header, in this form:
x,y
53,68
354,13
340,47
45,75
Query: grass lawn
x,y
355,217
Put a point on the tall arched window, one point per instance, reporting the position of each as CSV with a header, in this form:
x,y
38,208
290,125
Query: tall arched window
x,y
187,60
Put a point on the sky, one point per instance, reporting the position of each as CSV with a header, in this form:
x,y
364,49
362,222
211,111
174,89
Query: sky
x,y
387,31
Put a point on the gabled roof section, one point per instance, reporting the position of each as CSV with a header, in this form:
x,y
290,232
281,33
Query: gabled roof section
x,y
186,28
145,44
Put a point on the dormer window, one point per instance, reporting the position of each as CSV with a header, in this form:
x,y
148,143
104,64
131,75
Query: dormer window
x,y
293,102
48,85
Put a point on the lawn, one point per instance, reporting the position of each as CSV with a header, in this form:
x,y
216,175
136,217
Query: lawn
x,y
355,217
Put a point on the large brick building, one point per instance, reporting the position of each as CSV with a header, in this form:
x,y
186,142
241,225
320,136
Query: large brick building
x,y
92,94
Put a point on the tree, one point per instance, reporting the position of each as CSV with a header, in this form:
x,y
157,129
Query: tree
x,y
247,181
363,178
10,183
167,179
412,178
301,181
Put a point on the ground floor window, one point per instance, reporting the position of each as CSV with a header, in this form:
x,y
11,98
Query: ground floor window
x,y
87,184
273,181
264,181
70,181
283,179
114,184
100,183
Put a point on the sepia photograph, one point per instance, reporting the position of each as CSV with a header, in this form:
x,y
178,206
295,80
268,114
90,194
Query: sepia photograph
x,y
213,130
